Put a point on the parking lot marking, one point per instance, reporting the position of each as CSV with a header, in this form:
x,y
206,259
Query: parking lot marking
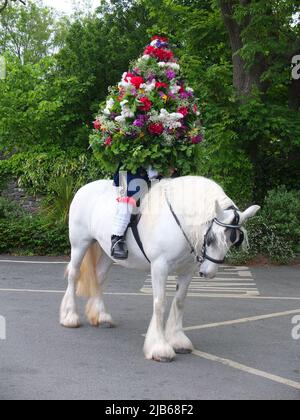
x,y
247,369
243,320
198,295
233,281
32,262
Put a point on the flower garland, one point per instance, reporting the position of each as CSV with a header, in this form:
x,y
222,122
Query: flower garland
x,y
151,118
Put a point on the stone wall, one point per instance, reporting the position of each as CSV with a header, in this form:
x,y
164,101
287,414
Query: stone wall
x,y
14,193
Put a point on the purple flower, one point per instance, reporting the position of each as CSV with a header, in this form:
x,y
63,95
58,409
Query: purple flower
x,y
138,123
161,44
150,77
197,139
141,120
184,95
170,74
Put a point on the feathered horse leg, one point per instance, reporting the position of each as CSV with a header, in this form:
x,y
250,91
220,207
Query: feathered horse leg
x,y
156,346
68,311
174,328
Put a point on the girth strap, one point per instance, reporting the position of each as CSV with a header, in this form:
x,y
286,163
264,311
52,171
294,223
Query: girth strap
x,y
134,227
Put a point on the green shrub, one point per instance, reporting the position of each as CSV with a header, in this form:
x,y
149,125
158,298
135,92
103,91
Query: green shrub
x,y
282,211
22,233
275,232
56,207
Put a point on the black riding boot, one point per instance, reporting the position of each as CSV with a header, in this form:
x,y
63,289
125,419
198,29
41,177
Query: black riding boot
x,y
119,249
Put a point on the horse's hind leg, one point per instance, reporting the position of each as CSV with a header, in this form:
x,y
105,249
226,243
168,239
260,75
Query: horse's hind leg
x,y
95,310
174,328
68,312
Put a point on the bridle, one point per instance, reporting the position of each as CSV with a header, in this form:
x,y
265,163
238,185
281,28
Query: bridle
x,y
235,227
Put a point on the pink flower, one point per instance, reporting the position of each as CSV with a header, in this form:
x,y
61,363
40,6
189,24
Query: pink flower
x,y
97,125
183,110
197,139
108,141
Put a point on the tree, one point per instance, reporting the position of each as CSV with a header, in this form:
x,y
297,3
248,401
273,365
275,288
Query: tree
x,y
27,32
263,39
4,4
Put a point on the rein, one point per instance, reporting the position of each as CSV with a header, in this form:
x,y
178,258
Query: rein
x,y
235,226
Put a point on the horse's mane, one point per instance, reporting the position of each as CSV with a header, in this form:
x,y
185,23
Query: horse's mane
x,y
193,200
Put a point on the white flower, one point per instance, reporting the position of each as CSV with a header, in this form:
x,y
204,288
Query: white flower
x,y
189,90
126,113
170,120
123,103
149,86
120,119
146,57
175,89
170,65
109,105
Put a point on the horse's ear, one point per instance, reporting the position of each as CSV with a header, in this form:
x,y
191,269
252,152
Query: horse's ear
x,y
219,211
250,212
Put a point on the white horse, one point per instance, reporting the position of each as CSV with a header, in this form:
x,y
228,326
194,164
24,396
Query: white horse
x,y
207,219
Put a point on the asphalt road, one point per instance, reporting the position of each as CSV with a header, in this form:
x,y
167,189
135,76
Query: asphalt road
x,y
240,324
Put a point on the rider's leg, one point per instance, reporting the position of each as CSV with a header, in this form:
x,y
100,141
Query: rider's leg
x,y
124,211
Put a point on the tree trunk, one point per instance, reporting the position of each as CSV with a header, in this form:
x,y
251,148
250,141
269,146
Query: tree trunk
x,y
244,79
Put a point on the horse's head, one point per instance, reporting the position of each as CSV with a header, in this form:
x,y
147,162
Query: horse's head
x,y
225,231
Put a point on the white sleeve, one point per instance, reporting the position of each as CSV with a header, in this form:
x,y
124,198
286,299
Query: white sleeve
x,y
152,173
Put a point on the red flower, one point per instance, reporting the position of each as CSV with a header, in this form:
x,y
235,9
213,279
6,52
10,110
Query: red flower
x,y
156,129
137,81
147,104
160,85
184,111
149,50
97,125
108,141
195,108
160,53
128,75
182,89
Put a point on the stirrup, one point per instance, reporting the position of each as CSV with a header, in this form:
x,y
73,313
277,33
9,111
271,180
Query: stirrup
x,y
119,249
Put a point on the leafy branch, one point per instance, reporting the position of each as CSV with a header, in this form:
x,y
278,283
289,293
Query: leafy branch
x,y
5,4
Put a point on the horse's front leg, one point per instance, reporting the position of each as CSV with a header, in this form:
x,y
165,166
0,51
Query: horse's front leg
x,y
174,328
156,346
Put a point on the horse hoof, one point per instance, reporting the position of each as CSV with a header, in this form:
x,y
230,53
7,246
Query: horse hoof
x,y
183,351
70,321
162,359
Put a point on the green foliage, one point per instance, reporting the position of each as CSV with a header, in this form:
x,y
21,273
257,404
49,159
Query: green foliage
x,y
275,233
58,72
56,207
37,171
23,234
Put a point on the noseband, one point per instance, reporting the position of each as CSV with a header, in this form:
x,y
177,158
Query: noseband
x,y
234,227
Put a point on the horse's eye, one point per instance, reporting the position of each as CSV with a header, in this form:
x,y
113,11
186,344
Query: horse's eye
x,y
211,239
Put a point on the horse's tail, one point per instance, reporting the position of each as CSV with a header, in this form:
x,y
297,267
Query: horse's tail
x,y
88,285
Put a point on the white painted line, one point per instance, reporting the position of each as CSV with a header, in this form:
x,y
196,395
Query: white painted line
x,y
149,293
243,320
247,369
33,262
63,291
31,291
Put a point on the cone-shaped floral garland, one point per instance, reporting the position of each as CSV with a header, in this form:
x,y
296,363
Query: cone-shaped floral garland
x,y
151,118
